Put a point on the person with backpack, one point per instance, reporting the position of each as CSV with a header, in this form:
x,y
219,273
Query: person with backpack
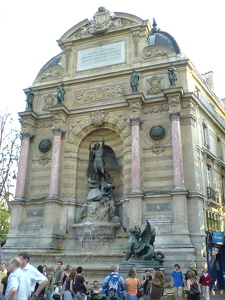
x,y
113,286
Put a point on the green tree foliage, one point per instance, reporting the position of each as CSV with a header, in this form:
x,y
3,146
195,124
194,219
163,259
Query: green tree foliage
x,y
4,223
9,149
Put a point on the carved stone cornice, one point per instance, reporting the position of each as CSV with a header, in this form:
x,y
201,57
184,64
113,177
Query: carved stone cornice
x,y
135,100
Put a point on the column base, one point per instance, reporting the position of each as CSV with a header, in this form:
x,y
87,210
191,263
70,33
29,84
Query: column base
x,y
136,191
18,198
52,197
179,188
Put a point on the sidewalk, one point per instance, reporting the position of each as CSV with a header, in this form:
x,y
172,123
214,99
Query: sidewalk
x,y
217,296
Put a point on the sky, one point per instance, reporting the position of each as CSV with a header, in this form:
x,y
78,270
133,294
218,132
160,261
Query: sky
x,y
30,30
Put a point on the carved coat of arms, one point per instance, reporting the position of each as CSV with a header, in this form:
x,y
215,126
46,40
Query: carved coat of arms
x,y
154,85
102,21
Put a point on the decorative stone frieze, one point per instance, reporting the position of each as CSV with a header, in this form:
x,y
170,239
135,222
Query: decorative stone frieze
x,y
102,93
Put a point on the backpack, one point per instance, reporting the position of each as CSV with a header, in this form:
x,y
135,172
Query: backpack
x,y
113,286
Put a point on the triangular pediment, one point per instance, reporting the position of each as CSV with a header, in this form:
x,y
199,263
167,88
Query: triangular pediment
x,y
103,21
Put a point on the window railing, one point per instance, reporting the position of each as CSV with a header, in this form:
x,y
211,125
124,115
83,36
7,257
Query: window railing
x,y
212,194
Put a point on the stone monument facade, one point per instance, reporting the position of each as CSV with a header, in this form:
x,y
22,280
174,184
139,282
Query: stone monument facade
x,y
159,129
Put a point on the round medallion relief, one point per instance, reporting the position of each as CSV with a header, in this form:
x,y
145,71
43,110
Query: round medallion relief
x,y
157,132
45,145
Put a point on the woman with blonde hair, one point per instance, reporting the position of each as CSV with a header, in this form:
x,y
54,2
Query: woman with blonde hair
x,y
132,283
156,286
193,287
69,293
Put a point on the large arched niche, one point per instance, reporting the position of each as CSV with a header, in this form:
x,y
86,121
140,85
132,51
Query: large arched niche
x,y
114,140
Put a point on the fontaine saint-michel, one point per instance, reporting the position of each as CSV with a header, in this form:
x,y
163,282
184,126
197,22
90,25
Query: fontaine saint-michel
x,y
112,147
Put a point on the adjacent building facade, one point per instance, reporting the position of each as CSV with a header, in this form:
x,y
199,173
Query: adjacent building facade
x,y
168,136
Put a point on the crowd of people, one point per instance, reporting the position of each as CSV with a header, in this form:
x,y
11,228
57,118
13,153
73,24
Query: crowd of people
x,y
190,283
22,281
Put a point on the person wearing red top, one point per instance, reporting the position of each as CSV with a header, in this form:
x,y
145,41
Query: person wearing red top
x,y
205,280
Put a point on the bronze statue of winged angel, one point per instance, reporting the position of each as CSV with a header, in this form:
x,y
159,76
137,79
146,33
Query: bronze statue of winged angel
x,y
98,156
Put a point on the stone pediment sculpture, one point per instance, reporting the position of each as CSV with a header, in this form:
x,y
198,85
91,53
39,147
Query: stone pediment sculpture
x,y
141,244
103,20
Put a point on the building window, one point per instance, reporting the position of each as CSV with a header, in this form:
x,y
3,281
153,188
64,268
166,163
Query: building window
x,y
205,135
212,220
223,190
219,148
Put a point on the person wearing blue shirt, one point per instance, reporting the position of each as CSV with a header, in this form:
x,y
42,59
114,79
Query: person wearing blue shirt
x,y
119,293
177,282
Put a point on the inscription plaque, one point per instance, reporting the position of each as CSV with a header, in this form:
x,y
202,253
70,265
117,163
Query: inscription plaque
x,y
158,207
101,56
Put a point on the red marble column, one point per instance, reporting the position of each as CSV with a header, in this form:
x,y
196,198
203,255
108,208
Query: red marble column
x,y
23,163
54,176
177,150
136,154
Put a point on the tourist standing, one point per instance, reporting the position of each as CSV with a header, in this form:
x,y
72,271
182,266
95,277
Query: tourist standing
x,y
80,285
69,293
3,271
177,281
132,283
205,280
59,272
34,274
49,288
145,281
113,285
19,282
192,282
156,286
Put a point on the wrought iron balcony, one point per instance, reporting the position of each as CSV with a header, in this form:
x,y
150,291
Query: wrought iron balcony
x,y
212,194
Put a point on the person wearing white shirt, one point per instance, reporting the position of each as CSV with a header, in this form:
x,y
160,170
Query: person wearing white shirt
x,y
34,274
18,287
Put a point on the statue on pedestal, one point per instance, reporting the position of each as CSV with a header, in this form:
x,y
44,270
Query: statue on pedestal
x,y
134,81
141,244
30,99
172,75
98,178
60,94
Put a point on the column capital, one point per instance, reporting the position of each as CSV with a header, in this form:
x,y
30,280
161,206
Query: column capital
x,y
58,131
135,120
26,135
174,115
